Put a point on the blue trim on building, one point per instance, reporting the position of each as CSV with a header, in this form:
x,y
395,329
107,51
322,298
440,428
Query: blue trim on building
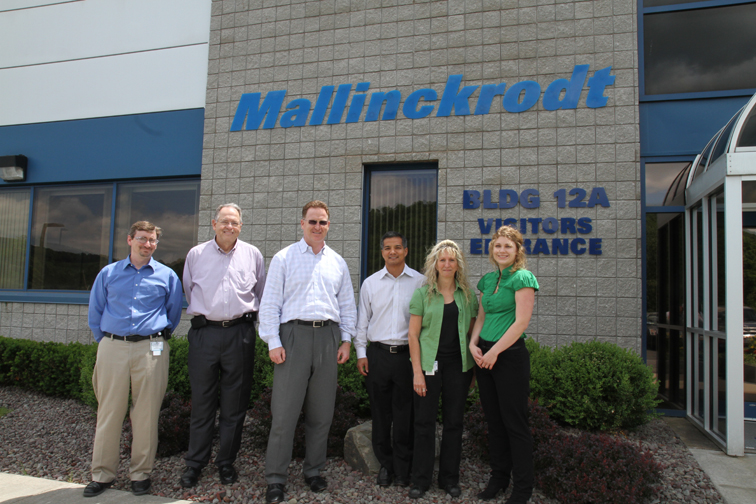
x,y
161,144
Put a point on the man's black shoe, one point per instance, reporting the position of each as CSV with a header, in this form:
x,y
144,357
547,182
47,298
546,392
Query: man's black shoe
x,y
190,477
227,474
275,493
416,492
384,477
453,490
95,488
316,483
141,487
491,490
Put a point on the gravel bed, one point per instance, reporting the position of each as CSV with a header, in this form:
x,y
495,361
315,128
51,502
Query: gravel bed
x,y
52,438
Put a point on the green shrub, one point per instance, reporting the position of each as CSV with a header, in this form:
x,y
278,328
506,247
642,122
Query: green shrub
x,y
50,368
352,381
86,390
178,368
595,386
263,371
540,366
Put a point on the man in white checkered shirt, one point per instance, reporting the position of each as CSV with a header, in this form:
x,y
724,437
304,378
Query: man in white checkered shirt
x,y
307,318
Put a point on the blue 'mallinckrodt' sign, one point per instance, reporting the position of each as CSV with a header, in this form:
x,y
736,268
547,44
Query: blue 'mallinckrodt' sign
x,y
560,94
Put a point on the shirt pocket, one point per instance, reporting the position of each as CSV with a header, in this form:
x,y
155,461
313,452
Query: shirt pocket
x,y
242,280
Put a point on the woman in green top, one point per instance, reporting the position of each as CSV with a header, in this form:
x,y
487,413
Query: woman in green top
x,y
442,313
507,296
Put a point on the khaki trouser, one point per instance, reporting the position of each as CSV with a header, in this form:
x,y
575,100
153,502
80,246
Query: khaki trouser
x,y
117,361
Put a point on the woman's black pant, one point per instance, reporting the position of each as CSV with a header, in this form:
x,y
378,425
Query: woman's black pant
x,y
451,384
504,391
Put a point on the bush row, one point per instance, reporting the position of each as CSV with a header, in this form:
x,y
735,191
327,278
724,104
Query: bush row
x,y
65,370
591,386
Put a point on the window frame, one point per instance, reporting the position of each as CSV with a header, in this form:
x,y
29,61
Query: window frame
x,y
368,170
707,4
62,296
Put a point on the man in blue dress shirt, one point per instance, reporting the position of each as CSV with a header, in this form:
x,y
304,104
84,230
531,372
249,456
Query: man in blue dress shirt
x,y
134,305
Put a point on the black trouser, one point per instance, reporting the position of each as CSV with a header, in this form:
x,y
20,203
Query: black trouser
x,y
504,391
389,385
225,358
451,384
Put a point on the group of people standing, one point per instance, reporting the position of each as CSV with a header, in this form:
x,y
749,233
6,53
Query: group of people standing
x,y
419,338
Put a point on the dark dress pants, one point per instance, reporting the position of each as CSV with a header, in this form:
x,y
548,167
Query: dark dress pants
x,y
219,358
389,386
504,391
451,384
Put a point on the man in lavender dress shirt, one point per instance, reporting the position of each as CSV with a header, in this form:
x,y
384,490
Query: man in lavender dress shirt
x,y
223,281
307,318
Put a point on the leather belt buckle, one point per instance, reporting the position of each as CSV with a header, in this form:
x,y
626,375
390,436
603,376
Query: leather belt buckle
x,y
393,348
226,323
318,323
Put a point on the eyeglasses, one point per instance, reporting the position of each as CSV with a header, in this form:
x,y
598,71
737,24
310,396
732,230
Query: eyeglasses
x,y
312,222
231,223
144,239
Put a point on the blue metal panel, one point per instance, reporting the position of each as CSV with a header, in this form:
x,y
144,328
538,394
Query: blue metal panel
x,y
683,127
162,144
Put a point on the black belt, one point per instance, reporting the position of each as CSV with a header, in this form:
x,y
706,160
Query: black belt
x,y
136,337
249,317
390,348
313,323
488,345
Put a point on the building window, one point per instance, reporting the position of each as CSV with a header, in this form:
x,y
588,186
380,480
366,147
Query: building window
x,y
698,50
78,229
14,226
170,205
664,203
401,198
70,236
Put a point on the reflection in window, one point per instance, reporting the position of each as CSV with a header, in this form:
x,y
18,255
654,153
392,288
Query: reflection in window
x,y
70,236
171,206
665,298
665,183
718,274
748,132
14,226
403,201
749,298
700,50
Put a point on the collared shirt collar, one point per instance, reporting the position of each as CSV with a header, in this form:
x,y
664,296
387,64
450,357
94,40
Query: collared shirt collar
x,y
217,247
127,262
304,247
405,272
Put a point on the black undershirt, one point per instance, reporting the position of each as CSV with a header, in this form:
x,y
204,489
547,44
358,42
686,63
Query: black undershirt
x,y
448,342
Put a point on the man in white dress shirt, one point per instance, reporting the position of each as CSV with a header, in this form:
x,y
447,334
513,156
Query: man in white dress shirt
x,y
307,318
384,322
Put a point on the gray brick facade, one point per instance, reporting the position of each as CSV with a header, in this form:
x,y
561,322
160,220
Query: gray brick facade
x,y
263,46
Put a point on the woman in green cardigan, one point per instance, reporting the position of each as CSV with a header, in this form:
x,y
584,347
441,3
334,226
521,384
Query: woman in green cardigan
x,y
442,313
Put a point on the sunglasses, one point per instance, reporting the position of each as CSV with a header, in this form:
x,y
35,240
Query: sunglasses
x,y
313,222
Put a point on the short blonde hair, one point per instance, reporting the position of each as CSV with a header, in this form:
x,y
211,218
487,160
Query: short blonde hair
x,y
315,204
431,273
510,233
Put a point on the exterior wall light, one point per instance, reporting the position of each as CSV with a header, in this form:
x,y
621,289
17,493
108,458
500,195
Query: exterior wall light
x,y
13,168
